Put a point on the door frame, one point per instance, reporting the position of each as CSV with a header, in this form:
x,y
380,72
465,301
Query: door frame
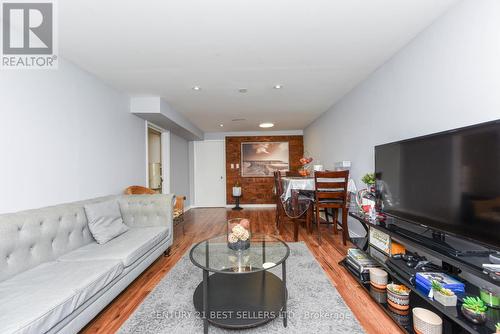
x,y
195,144
165,156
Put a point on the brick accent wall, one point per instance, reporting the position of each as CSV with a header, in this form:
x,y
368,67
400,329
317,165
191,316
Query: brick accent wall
x,y
257,190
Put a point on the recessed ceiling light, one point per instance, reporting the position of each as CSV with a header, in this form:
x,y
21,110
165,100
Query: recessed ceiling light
x,y
266,125
196,88
277,86
242,90
221,125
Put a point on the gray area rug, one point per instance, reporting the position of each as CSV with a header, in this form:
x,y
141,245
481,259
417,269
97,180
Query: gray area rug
x,y
314,304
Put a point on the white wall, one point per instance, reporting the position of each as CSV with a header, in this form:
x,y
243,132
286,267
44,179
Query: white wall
x,y
65,136
447,77
180,168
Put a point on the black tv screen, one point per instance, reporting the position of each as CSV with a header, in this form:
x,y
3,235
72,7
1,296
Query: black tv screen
x,y
449,181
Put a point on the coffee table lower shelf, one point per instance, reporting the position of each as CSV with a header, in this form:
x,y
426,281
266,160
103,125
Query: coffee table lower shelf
x,y
238,301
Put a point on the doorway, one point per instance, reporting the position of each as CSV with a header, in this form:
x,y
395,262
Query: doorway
x,y
158,158
155,168
209,173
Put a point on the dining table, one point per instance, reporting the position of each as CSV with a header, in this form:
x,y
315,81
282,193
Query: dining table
x,y
298,183
298,193
307,184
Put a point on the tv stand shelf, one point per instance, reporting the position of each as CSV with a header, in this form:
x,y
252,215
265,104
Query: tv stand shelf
x,y
471,262
453,320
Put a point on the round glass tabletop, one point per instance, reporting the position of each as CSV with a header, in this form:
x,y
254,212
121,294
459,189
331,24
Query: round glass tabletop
x,y
265,252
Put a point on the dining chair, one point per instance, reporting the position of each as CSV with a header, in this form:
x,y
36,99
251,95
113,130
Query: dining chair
x,y
278,186
331,193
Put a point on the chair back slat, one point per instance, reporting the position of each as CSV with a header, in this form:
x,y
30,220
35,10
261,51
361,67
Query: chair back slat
x,y
338,174
331,185
331,195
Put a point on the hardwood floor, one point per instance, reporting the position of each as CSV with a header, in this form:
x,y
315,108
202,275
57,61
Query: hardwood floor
x,y
204,223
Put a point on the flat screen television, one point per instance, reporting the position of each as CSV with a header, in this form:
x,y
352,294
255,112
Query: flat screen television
x,y
448,181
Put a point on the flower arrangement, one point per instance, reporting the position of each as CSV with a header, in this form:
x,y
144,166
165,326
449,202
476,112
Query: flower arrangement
x,y
399,289
238,234
305,169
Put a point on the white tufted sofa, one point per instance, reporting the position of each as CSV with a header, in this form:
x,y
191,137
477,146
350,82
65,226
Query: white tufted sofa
x,y
54,277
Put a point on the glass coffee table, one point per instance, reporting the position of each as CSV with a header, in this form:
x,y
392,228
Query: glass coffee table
x,y
241,292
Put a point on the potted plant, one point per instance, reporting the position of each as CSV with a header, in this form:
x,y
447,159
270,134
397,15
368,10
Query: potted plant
x,y
442,295
474,309
369,180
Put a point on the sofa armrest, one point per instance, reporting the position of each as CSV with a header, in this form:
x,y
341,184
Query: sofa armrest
x,y
147,210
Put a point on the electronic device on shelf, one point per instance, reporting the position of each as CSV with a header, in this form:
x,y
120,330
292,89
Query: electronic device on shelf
x,y
407,265
448,182
493,270
436,244
495,258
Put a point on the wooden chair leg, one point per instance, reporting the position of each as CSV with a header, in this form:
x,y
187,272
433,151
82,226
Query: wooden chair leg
x,y
345,228
326,217
296,230
309,219
335,220
167,252
318,223
277,219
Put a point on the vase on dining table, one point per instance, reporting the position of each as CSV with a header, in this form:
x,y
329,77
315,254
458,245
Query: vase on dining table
x,y
304,171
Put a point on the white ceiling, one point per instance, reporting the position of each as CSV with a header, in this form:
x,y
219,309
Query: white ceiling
x,y
317,49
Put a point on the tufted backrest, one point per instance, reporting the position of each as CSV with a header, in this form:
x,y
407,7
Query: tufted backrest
x,y
28,238
147,210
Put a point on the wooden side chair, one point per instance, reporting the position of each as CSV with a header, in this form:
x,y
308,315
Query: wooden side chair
x,y
179,211
331,193
139,190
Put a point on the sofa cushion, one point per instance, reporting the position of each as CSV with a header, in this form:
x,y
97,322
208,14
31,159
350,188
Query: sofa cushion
x,y
36,300
128,247
105,220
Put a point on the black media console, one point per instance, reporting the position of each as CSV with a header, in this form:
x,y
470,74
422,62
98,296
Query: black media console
x,y
459,258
